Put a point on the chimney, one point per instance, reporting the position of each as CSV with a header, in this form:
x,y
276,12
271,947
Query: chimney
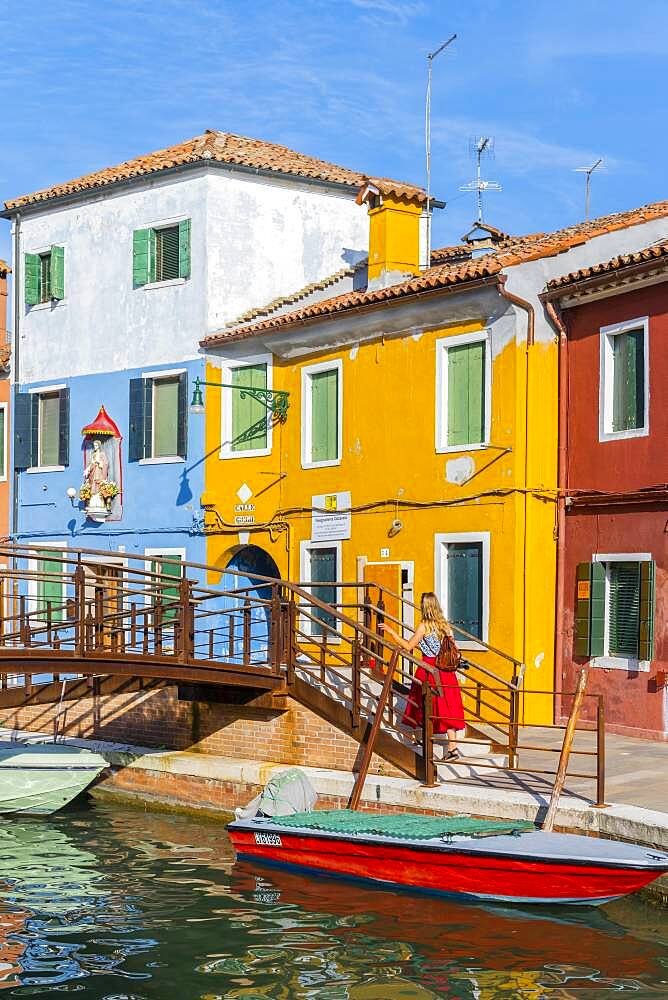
x,y
396,231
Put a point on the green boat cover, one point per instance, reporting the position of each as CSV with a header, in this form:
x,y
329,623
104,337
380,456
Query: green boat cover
x,y
404,826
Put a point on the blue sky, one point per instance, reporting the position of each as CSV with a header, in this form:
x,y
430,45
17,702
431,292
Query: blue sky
x,y
87,84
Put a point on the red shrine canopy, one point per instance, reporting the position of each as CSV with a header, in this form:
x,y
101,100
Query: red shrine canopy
x,y
102,426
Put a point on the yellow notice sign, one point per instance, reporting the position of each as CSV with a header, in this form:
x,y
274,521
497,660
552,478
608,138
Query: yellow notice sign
x,y
584,590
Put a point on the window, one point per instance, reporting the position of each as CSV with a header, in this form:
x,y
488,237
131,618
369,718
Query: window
x,y
624,391
3,442
159,417
42,428
614,618
320,566
161,253
245,421
49,585
462,583
45,276
463,392
167,563
322,413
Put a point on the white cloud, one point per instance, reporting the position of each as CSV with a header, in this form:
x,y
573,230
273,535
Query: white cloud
x,y
394,9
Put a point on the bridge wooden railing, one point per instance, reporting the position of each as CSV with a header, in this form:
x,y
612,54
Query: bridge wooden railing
x,y
70,612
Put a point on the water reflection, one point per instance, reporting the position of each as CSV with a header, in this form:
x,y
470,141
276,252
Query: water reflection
x,y
120,904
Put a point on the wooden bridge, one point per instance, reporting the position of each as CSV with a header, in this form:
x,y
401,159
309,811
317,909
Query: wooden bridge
x,y
93,617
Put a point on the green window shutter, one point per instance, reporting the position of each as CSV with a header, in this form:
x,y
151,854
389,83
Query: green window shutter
x,y
165,417
323,571
647,603
141,252
57,270
590,609
169,567
249,417
624,609
466,394
325,416
184,249
32,264
49,429
628,406
23,456
136,420
464,562
50,588
152,255
182,417
64,427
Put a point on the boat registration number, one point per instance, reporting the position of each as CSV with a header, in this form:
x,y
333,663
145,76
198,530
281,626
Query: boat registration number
x,y
271,839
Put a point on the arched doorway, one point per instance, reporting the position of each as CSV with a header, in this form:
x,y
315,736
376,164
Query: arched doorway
x,y
241,575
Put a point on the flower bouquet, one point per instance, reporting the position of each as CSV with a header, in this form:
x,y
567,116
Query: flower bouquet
x,y
108,490
84,492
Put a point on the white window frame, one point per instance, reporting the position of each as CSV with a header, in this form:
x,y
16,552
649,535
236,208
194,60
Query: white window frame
x,y
306,429
441,542
443,344
156,377
629,663
33,567
607,380
305,548
166,224
45,390
156,552
4,442
229,365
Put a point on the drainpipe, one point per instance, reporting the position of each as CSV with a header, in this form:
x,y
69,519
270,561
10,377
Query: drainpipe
x,y
16,355
531,323
556,318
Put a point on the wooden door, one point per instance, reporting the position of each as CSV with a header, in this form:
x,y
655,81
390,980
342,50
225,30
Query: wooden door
x,y
107,591
385,574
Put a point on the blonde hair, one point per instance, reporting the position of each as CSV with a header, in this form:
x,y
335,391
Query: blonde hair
x,y
432,616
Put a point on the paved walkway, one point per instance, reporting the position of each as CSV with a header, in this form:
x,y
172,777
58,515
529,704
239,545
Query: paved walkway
x,y
636,771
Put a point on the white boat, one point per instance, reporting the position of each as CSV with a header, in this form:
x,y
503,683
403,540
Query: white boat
x,y
37,779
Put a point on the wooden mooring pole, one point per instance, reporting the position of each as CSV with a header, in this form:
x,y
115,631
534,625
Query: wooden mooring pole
x,y
548,822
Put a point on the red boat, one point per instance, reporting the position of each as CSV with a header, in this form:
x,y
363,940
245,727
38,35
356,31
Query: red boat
x,y
455,856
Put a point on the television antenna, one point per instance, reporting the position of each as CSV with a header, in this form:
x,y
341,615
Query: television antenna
x,y
427,136
480,146
588,171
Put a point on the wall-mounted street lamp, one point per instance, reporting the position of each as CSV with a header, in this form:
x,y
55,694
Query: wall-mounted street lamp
x,y
275,401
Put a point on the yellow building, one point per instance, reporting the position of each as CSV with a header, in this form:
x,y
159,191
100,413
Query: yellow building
x,y
420,444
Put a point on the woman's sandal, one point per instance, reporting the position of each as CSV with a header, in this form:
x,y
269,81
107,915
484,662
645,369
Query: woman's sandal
x,y
452,755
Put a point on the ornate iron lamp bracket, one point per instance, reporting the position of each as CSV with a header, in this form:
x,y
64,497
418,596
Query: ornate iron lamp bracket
x,y
275,401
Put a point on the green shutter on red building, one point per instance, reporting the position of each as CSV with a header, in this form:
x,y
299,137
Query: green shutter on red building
x,y
647,608
590,609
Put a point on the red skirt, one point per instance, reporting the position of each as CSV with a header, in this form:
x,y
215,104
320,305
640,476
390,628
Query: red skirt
x,y
447,708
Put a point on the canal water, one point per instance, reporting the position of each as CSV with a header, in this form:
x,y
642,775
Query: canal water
x,y
121,904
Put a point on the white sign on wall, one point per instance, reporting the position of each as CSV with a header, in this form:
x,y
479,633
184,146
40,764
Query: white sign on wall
x,y
331,519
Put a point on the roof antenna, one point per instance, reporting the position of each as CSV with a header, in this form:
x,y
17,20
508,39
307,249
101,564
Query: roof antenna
x,y
588,171
480,146
427,136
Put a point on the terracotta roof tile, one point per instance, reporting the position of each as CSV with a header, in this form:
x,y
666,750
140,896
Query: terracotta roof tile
x,y
387,186
440,276
517,250
219,147
4,267
655,252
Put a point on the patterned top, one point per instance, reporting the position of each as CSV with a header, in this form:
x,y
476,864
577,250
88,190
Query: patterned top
x,y
430,644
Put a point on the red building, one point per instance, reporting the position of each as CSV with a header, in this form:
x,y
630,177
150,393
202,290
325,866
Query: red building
x,y
612,604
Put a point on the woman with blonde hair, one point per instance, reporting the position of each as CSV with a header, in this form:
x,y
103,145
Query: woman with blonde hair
x,y
447,709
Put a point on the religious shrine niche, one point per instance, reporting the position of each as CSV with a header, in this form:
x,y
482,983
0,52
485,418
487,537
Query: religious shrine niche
x,y
102,487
